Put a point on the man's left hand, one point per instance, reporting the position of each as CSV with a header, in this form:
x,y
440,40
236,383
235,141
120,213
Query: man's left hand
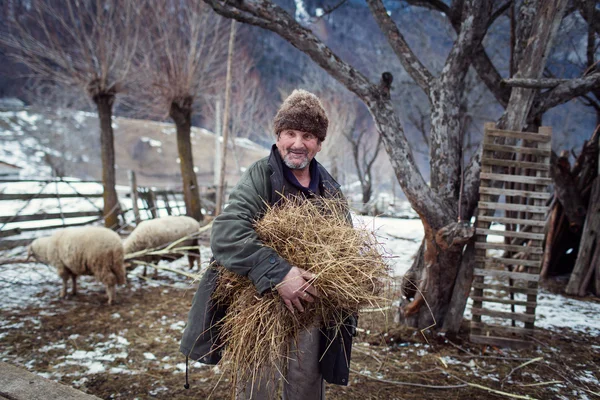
x,y
296,286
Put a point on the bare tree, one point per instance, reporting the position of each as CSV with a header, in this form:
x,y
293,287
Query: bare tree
x,y
342,110
444,269
364,157
249,110
87,44
182,62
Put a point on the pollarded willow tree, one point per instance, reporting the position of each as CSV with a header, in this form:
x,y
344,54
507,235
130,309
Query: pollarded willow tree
x,y
87,44
183,59
444,266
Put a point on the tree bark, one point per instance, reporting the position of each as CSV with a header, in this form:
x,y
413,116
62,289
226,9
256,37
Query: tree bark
x,y
181,113
112,209
590,243
565,184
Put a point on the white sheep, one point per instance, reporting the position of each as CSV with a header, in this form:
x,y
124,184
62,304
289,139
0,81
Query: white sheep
x,y
160,232
88,250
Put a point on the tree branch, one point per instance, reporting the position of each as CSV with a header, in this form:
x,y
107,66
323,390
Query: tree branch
x,y
594,21
446,97
411,63
564,92
435,5
485,69
265,14
481,62
499,12
470,34
269,16
534,83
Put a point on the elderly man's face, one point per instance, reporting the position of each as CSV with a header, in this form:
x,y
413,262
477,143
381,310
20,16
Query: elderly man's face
x,y
297,148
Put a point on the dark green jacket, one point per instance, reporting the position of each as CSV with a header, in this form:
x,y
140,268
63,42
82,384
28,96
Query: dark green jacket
x,y
235,245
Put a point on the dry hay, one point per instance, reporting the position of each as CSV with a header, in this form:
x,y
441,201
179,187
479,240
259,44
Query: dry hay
x,y
350,273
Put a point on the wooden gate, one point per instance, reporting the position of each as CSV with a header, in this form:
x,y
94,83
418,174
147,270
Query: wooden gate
x,y
515,167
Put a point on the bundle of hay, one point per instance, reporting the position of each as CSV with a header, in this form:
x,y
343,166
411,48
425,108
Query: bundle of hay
x,y
349,270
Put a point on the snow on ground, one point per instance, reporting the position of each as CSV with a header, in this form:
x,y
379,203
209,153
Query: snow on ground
x,y
34,285
400,239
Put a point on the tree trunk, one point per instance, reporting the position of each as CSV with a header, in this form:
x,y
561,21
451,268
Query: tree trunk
x,y
367,191
531,65
181,113
435,273
565,184
104,103
590,243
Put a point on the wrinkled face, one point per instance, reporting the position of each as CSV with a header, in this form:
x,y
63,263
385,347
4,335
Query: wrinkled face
x,y
297,148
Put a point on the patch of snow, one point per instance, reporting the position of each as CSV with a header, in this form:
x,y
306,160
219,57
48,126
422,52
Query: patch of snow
x,y
177,326
151,142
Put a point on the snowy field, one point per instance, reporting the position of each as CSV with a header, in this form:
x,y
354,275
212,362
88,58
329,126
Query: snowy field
x,y
77,359
23,285
29,298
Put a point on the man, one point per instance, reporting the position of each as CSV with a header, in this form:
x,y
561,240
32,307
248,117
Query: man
x,y
300,127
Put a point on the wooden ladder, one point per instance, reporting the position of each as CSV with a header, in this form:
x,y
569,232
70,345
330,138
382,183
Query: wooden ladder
x,y
516,166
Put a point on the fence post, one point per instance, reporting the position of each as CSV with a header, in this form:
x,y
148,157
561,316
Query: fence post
x,y
166,200
152,203
134,196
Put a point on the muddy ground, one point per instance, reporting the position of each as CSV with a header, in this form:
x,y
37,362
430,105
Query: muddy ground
x,y
130,351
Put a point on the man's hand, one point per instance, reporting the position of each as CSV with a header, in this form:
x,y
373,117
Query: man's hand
x,y
295,287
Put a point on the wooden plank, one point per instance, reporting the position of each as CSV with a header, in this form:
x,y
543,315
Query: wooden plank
x,y
506,274
495,261
11,244
30,196
10,232
512,163
41,217
503,301
512,207
501,342
528,136
531,180
484,197
516,149
503,314
509,247
508,289
46,181
522,235
503,328
502,220
511,192
41,228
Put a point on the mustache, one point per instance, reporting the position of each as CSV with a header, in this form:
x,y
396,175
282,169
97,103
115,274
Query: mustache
x,y
297,151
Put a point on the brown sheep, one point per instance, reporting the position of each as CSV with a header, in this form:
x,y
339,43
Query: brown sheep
x,y
89,250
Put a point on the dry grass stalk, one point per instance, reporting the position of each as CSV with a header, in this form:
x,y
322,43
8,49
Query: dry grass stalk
x,y
171,247
349,270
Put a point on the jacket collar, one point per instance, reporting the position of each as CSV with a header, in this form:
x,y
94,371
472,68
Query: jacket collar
x,y
327,185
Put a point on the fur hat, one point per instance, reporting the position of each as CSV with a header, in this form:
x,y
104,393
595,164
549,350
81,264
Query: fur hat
x,y
302,111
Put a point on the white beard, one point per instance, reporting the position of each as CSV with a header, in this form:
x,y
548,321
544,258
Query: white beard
x,y
294,165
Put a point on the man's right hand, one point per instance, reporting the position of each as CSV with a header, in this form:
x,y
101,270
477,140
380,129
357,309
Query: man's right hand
x,y
294,287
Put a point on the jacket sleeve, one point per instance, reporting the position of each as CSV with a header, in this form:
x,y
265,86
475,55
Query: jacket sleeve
x,y
234,242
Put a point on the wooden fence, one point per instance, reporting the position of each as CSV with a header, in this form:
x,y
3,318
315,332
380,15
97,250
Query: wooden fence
x,y
510,280
49,204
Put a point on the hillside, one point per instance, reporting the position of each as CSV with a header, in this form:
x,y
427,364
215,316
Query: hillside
x,y
43,141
